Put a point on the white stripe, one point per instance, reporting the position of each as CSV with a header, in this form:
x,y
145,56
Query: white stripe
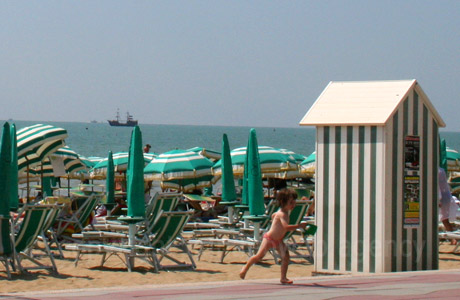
x,y
429,223
343,198
330,233
399,196
380,234
319,182
420,243
366,198
355,193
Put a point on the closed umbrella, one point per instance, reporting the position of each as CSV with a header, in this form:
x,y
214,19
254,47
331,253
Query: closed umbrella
x,y
254,184
5,189
443,155
228,181
110,185
14,198
135,184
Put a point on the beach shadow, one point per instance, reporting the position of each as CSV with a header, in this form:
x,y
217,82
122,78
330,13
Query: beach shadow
x,y
30,276
139,269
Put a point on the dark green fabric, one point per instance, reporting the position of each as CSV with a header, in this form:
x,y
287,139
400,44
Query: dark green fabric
x,y
46,187
135,176
228,180
443,155
31,226
168,227
255,187
5,171
110,182
14,197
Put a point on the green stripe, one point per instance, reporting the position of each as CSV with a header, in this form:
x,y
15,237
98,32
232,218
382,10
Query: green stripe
x,y
405,249
326,198
434,196
350,180
361,199
337,198
394,193
373,195
415,254
424,195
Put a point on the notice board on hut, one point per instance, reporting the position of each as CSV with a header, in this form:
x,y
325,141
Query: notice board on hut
x,y
377,157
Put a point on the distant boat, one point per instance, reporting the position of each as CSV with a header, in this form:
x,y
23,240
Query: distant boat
x,y
130,122
93,121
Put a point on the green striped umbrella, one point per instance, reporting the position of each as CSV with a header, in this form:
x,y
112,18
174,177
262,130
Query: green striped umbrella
x,y
308,166
120,162
178,164
296,156
68,160
272,160
5,190
36,142
187,185
14,199
208,153
453,159
255,187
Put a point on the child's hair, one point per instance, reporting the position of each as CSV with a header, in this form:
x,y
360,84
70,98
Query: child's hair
x,y
284,195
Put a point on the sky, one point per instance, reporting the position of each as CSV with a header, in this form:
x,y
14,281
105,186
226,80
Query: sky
x,y
229,63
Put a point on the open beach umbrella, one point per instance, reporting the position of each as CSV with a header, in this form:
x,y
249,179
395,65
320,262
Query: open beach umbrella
x,y
5,189
110,184
14,198
120,162
453,159
272,160
208,153
177,165
36,142
296,156
308,166
187,185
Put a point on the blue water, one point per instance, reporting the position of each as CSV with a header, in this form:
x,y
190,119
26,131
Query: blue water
x,y
96,139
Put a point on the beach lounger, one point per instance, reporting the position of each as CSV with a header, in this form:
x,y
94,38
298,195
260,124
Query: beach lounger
x,y
31,221
79,218
6,248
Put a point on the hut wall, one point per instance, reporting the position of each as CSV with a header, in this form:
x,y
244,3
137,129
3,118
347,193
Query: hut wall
x,y
409,249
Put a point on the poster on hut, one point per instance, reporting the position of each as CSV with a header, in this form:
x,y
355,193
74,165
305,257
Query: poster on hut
x,y
411,212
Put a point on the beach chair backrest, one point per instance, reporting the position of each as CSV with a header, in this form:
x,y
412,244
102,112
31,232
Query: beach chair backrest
x,y
86,209
5,240
303,193
297,214
31,225
163,202
168,227
52,216
271,208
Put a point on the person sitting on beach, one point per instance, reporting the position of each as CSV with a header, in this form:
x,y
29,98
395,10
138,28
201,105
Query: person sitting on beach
x,y
147,148
274,237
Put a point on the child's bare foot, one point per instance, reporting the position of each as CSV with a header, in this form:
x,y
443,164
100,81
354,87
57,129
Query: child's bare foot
x,y
243,273
286,281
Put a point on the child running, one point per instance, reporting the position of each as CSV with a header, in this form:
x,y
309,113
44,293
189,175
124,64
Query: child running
x,y
274,237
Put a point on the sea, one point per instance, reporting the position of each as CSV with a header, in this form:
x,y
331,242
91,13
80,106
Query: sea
x,y
97,139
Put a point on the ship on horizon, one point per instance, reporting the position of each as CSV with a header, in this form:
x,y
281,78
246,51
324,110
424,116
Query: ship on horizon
x,y
130,122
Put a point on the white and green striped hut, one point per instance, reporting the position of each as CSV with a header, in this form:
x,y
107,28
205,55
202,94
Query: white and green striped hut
x,y
377,153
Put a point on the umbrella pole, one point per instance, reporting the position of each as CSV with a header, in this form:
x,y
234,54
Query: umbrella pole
x,y
41,178
27,186
68,185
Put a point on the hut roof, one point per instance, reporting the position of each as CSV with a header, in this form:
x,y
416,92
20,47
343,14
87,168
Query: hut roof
x,y
363,102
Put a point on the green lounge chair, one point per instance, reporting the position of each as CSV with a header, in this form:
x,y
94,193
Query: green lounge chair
x,y
165,234
79,218
6,249
25,234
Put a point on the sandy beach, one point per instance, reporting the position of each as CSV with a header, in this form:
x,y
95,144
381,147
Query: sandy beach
x,y
88,274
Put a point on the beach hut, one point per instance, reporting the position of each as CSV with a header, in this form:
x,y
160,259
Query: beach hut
x,y
377,158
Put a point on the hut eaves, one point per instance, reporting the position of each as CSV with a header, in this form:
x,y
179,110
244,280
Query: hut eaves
x,y
362,103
